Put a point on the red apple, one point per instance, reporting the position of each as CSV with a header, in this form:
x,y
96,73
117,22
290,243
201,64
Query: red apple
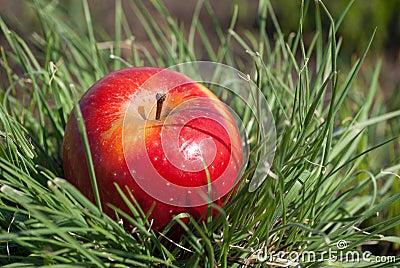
x,y
159,134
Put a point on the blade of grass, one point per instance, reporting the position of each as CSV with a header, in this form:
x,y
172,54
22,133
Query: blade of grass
x,y
82,130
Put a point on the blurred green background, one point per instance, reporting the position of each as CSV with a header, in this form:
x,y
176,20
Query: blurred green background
x,y
361,20
363,17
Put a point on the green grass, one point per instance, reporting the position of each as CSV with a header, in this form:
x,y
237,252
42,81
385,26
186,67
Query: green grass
x,y
334,172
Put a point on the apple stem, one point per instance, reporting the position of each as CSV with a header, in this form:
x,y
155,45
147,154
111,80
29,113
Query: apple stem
x,y
160,100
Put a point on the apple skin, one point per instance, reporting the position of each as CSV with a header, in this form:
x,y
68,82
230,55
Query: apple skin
x,y
104,108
